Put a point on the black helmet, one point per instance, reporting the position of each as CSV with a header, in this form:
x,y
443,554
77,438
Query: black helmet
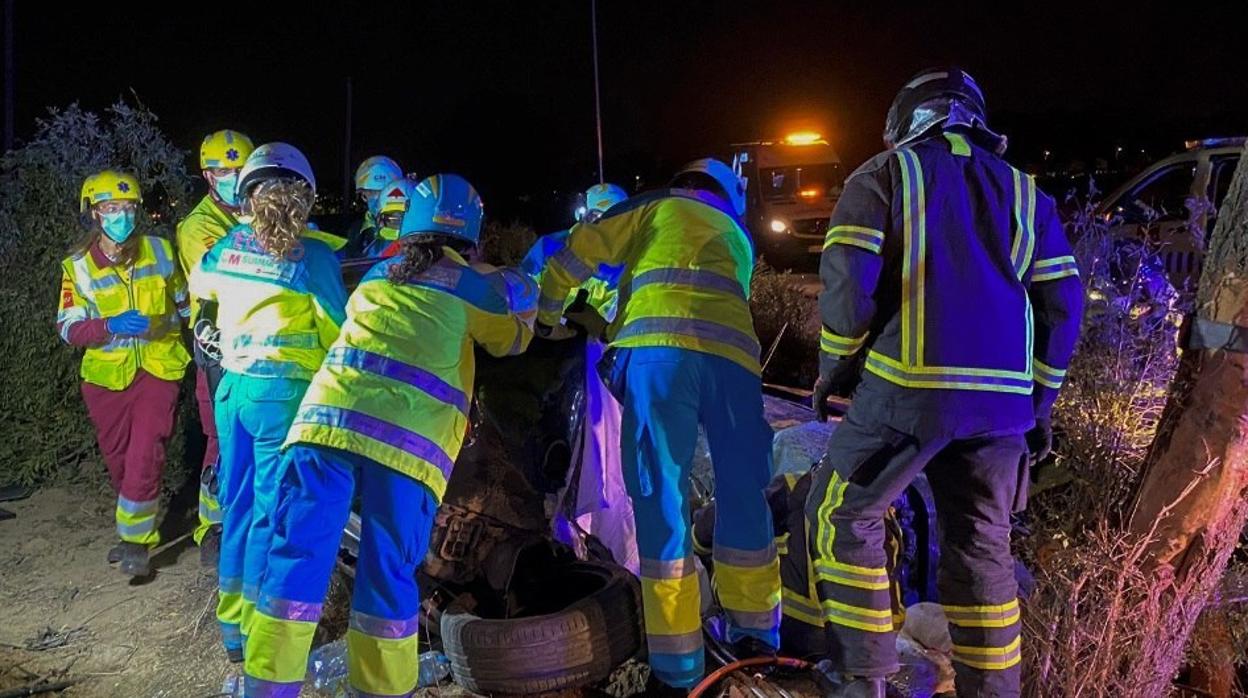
x,y
934,96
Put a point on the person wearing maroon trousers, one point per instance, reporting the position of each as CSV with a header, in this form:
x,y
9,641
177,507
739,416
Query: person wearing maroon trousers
x,y
124,300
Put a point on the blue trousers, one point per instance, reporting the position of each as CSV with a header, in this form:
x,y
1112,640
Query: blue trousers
x,y
397,514
253,416
667,393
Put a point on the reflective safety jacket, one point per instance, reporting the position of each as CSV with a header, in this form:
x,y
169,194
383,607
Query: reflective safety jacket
x,y
197,233
94,289
801,630
277,316
397,384
602,287
952,270
687,263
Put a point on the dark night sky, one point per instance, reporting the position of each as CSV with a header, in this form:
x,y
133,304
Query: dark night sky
x,y
502,91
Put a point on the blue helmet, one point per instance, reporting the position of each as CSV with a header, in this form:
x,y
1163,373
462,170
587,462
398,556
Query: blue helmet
x,y
444,204
599,198
375,172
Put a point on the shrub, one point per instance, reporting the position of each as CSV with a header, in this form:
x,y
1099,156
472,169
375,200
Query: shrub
x,y
46,430
1095,615
785,309
505,244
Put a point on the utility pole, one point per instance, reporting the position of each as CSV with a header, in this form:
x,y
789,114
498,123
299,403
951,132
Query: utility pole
x,y
593,17
346,154
10,78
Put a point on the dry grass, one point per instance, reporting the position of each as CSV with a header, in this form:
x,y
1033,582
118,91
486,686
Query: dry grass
x,y
1103,621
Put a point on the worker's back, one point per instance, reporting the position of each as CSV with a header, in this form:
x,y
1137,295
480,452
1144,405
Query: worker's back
x,y
958,233
276,316
397,383
686,279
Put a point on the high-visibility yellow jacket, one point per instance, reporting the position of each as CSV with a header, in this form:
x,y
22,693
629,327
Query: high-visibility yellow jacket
x,y
277,316
94,289
687,263
601,288
397,384
197,233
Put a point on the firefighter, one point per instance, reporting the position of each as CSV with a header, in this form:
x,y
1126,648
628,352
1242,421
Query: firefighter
x,y
279,301
384,419
124,299
950,271
391,204
372,174
683,353
221,157
597,500
801,623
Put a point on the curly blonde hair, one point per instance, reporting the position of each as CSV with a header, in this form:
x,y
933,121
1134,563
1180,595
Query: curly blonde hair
x,y
279,210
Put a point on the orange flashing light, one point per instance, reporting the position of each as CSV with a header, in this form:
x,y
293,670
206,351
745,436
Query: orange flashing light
x,y
804,138
809,193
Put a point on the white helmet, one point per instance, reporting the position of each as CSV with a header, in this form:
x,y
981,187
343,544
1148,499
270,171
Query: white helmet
x,y
274,161
729,179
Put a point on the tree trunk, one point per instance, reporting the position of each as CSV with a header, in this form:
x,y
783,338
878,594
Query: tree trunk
x,y
1215,672
1190,500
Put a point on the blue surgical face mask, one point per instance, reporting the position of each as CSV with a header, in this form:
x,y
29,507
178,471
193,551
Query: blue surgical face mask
x,y
227,189
118,226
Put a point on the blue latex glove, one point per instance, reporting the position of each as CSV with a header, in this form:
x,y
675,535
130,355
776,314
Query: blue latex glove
x,y
129,324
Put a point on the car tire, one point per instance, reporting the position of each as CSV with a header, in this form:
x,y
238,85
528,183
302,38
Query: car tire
x,y
577,645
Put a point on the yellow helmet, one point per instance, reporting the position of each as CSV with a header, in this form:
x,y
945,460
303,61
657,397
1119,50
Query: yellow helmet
x,y
109,185
224,149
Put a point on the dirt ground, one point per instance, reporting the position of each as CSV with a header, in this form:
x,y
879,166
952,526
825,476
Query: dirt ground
x,y
65,614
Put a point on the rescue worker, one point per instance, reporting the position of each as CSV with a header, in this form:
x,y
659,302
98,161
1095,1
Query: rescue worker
x,y
221,157
601,287
951,271
372,174
596,501
801,622
384,418
280,301
684,353
391,204
123,299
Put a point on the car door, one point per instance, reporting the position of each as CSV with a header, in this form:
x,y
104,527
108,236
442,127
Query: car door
x,y
1156,210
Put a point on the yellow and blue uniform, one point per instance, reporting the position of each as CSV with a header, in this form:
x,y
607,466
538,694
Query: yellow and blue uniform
x,y
684,354
277,318
207,223
602,288
951,270
387,412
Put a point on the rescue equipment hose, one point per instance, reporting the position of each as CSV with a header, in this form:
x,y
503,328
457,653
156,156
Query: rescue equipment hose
x,y
718,675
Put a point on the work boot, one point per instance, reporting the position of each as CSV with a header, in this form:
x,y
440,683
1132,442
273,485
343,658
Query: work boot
x,y
114,554
210,548
134,561
834,684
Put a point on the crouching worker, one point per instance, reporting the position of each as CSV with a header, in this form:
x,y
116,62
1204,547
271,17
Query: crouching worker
x,y
682,353
385,418
124,299
280,298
